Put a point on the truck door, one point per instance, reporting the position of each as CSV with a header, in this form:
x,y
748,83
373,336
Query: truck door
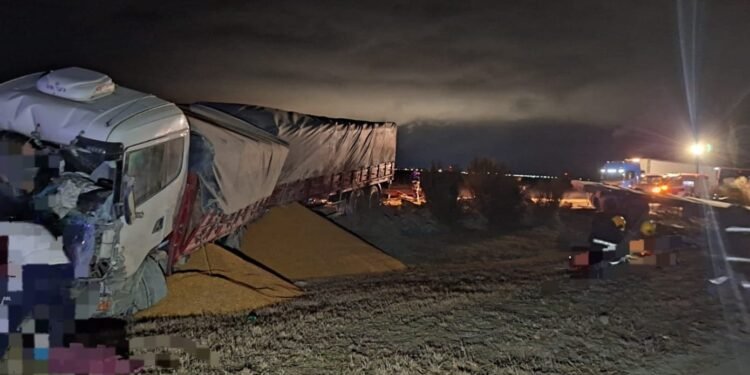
x,y
158,168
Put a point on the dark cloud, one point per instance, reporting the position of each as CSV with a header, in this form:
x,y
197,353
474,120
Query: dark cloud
x,y
580,149
585,61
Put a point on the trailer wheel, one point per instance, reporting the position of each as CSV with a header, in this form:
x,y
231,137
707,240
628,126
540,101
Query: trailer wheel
x,y
368,199
373,197
353,200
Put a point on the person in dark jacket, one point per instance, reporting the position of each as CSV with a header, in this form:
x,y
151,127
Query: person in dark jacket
x,y
607,233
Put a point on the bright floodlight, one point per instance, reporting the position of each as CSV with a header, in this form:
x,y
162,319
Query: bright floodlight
x,y
697,149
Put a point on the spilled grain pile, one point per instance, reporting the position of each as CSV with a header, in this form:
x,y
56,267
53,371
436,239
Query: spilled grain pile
x,y
215,281
299,244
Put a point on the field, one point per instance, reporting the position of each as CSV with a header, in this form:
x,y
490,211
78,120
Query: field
x,y
477,304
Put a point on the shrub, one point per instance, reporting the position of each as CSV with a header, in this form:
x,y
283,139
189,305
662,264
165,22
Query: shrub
x,y
736,190
441,191
547,195
498,197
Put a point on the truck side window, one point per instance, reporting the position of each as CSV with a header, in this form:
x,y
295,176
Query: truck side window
x,y
173,152
154,167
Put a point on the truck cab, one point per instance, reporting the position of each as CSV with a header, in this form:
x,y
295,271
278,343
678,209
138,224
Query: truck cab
x,y
625,173
129,147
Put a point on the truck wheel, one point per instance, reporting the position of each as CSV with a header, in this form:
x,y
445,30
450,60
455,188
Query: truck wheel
x,y
143,289
366,199
353,201
373,197
151,287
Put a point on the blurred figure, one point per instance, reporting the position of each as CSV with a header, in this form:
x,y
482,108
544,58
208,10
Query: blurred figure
x,y
607,227
36,289
35,286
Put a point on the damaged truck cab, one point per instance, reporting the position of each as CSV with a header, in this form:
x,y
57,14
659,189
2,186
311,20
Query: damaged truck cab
x,y
121,154
134,184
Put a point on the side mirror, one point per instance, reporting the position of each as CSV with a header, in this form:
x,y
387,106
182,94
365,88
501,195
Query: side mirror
x,y
129,207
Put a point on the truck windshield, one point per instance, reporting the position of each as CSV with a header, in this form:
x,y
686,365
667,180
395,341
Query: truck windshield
x,y
616,176
87,155
27,167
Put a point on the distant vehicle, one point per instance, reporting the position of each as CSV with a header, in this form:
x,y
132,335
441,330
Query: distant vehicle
x,y
683,179
655,176
653,184
650,176
640,173
671,168
686,184
630,173
626,173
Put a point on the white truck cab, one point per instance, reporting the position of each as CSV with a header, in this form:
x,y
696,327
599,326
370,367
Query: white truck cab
x,y
143,139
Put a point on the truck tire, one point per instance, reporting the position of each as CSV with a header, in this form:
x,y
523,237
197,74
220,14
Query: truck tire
x,y
362,201
352,199
152,286
373,197
366,200
143,289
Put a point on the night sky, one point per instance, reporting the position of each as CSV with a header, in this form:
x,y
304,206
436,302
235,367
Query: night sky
x,y
545,85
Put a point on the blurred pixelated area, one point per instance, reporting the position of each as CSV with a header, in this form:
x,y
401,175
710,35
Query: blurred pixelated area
x,y
39,329
23,357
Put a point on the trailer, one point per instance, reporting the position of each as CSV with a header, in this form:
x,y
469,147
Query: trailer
x,y
134,184
664,168
316,167
327,156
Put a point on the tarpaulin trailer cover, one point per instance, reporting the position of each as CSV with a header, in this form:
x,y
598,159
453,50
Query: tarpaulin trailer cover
x,y
237,164
319,146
